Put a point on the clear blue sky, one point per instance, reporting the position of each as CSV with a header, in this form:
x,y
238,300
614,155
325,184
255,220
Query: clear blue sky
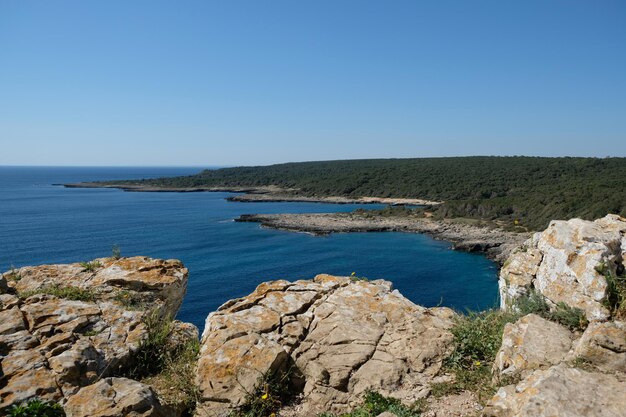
x,y
258,82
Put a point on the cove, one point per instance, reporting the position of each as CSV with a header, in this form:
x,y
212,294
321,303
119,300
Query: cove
x,y
43,223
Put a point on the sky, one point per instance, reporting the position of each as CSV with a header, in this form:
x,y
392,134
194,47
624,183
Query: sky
x,y
204,83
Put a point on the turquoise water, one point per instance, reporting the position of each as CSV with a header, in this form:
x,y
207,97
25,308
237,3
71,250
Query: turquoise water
x,y
43,223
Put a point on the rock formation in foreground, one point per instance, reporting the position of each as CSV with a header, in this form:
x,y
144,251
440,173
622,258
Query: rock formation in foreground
x,y
64,327
339,337
568,262
556,371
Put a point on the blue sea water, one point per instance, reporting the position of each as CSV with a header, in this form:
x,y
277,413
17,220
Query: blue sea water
x,y
45,223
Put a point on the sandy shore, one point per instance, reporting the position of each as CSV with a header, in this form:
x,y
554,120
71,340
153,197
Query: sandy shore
x,y
495,243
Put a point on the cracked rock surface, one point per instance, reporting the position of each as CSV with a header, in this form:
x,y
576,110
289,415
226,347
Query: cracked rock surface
x,y
337,336
50,347
564,264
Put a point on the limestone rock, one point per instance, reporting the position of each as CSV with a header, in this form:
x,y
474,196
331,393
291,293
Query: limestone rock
x,y
338,337
530,343
50,347
561,391
604,346
562,263
137,280
115,397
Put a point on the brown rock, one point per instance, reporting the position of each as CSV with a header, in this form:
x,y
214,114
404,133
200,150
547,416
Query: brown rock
x,y
604,346
50,347
338,337
115,397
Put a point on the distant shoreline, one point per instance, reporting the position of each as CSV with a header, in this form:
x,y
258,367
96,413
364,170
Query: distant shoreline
x,y
495,243
258,194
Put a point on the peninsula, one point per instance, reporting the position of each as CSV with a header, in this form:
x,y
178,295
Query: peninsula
x,y
527,191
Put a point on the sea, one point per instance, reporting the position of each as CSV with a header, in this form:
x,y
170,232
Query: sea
x,y
42,222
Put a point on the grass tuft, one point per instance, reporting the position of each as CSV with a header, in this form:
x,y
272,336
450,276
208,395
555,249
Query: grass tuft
x,y
175,383
68,293
615,300
477,337
271,393
153,353
375,404
90,266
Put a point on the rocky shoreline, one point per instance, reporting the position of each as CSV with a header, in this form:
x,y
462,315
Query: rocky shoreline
x,y
495,243
265,194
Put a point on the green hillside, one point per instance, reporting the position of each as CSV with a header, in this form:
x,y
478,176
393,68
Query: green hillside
x,y
532,190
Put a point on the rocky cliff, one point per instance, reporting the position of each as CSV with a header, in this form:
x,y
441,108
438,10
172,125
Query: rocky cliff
x,y
557,347
65,327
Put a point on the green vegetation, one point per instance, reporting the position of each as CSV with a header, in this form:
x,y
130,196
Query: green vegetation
x,y
271,393
116,252
175,383
355,277
615,300
375,404
153,352
90,266
68,293
36,408
131,300
478,337
13,274
167,367
529,190
570,317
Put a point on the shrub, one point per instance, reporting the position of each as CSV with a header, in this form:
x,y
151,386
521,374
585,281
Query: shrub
x,y
175,385
535,303
68,293
153,353
90,266
271,393
375,404
36,408
615,300
477,337
116,252
14,274
571,317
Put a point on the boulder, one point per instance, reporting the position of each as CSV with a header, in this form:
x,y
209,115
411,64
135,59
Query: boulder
x,y
52,344
564,263
531,343
115,397
561,391
335,336
604,346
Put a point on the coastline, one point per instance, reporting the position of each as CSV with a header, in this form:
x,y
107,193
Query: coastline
x,y
265,194
495,243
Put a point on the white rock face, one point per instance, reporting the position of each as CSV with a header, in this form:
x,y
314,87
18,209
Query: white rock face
x,y
531,343
562,263
561,391
339,337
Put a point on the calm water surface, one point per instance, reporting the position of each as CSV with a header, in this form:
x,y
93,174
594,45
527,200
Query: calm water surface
x,y
43,223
